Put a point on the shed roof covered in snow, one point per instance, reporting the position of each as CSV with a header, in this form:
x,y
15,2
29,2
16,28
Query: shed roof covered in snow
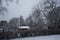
x,y
24,27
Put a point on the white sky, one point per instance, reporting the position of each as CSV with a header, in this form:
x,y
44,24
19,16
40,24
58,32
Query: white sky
x,y
16,10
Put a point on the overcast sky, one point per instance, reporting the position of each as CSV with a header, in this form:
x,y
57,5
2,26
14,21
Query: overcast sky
x,y
16,10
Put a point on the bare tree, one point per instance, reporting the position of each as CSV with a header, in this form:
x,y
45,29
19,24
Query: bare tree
x,y
48,11
37,16
29,21
50,8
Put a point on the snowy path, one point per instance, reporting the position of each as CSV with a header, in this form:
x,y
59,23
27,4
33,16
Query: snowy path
x,y
52,37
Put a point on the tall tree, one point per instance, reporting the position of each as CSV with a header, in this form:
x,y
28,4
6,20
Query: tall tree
x,y
29,21
50,8
22,23
13,22
37,17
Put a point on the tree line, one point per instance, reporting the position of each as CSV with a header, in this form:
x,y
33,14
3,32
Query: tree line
x,y
43,15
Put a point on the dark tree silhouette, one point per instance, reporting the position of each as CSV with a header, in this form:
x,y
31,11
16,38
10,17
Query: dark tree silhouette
x,y
13,23
22,23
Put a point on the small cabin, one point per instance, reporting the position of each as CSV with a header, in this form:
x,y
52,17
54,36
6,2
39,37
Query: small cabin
x,y
23,30
24,27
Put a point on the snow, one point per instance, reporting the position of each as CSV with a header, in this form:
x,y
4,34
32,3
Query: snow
x,y
24,27
51,37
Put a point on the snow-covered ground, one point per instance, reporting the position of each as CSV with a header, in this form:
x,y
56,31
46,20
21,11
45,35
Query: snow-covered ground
x,y
51,37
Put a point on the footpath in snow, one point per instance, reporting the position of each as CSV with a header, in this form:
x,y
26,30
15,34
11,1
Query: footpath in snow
x,y
50,37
